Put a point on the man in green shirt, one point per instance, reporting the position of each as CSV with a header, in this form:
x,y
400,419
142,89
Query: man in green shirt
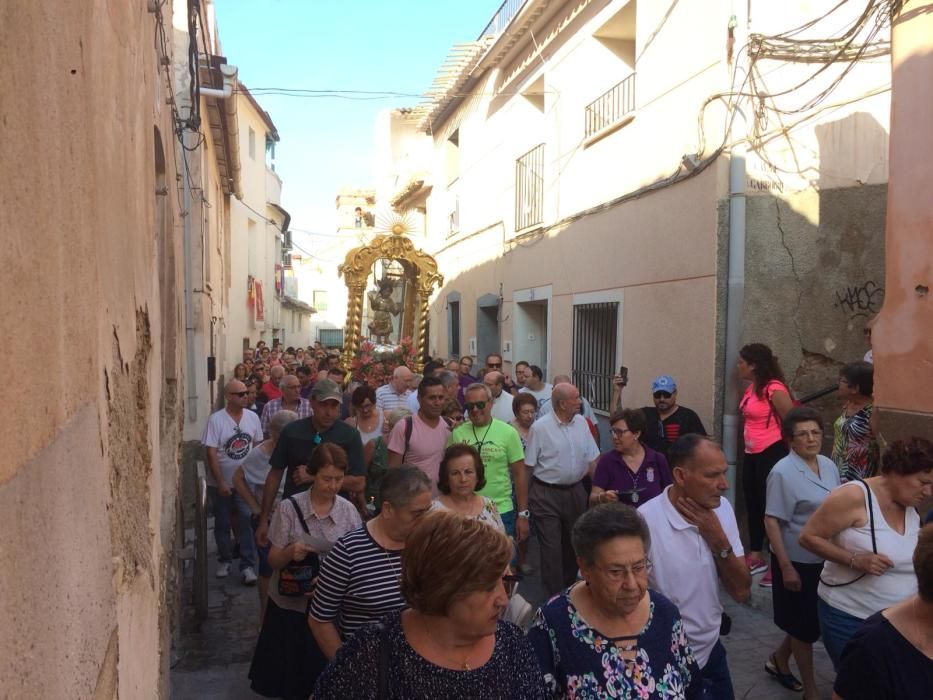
x,y
501,450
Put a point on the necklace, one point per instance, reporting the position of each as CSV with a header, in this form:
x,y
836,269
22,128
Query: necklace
x,y
633,494
464,663
480,443
396,570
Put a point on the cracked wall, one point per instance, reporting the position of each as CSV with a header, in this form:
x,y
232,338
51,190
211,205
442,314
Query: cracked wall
x,y
814,276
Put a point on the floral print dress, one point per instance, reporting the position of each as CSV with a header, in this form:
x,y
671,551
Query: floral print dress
x,y
581,663
855,449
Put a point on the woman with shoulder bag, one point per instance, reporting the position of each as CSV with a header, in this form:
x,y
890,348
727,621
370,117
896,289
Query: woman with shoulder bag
x,y
304,528
867,531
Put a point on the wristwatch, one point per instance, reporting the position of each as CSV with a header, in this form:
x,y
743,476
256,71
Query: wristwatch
x,y
523,514
725,553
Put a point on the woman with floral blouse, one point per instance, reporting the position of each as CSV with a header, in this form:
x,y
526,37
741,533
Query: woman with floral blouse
x,y
608,635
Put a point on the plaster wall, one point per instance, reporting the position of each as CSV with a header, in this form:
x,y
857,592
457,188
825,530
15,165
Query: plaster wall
x,y
667,318
902,335
87,487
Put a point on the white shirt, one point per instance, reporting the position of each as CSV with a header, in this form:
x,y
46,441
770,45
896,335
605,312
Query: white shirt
x,y
560,453
388,398
542,396
586,409
502,407
412,403
233,440
684,570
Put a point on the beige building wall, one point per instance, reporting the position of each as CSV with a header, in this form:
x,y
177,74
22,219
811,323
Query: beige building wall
x,y
255,236
92,303
637,212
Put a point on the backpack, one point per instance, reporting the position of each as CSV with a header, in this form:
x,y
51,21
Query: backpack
x,y
410,427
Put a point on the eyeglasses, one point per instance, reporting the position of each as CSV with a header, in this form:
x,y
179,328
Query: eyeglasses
x,y
291,386
494,365
619,432
480,405
619,573
808,433
240,394
662,394
510,581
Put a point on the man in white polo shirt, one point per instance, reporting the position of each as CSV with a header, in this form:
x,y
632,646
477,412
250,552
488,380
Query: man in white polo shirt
x,y
695,544
561,451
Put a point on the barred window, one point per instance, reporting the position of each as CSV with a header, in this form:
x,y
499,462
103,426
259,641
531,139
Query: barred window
x,y
529,189
595,330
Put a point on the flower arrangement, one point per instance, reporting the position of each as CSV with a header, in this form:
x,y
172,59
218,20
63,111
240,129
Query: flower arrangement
x,y
375,364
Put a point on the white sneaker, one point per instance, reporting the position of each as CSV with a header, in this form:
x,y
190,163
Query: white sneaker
x,y
248,576
223,570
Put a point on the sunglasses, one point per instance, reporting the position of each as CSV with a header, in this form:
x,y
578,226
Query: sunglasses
x,y
476,404
662,394
495,365
510,581
241,394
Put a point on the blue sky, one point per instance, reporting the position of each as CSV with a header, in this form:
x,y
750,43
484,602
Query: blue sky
x,y
393,45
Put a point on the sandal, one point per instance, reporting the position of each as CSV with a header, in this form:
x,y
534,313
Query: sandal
x,y
788,680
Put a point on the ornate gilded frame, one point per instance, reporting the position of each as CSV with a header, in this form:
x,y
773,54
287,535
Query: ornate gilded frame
x,y
420,270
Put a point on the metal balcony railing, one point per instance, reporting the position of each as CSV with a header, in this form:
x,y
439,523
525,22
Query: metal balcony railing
x,y
610,107
500,20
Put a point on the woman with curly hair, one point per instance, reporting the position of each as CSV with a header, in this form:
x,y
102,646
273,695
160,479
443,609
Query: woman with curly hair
x,y
866,531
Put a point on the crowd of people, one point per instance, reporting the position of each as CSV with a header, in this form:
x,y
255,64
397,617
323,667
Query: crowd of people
x,y
387,528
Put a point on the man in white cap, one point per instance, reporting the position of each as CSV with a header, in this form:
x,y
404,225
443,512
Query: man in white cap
x,y
666,420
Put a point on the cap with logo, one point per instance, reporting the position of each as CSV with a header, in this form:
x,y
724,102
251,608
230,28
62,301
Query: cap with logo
x,y
664,383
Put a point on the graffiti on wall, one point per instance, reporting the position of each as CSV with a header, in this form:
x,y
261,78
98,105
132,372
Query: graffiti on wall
x,y
860,300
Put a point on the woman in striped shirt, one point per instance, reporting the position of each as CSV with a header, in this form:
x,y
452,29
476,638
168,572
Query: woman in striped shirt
x,y
359,580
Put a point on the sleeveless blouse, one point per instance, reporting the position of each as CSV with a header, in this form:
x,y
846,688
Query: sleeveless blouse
x,y
871,594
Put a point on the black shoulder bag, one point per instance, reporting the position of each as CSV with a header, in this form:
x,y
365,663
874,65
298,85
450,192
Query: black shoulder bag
x,y
297,578
382,679
874,544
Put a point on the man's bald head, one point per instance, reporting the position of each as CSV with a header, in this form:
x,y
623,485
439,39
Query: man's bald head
x,y
277,373
401,378
494,380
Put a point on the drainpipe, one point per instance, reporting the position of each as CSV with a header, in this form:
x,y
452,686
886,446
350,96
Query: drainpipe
x,y
229,76
735,294
191,382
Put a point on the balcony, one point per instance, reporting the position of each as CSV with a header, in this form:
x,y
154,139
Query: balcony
x,y
273,187
500,20
612,110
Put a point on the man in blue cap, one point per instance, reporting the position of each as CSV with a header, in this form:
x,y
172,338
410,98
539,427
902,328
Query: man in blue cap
x,y
666,420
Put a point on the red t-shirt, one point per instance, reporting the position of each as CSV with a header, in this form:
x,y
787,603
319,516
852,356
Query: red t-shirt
x,y
271,391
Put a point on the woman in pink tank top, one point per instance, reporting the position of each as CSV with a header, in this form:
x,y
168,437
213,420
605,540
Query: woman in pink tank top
x,y
763,405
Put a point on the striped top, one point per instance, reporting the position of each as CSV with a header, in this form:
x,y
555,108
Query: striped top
x,y
359,583
387,398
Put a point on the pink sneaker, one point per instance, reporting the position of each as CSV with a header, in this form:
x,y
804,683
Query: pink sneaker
x,y
765,581
755,565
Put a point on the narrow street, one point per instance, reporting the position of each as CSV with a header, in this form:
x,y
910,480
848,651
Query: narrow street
x,y
213,660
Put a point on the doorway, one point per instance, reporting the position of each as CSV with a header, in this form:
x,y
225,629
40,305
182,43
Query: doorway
x,y
487,327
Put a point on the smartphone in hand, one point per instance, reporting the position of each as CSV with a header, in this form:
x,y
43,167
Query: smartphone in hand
x,y
623,373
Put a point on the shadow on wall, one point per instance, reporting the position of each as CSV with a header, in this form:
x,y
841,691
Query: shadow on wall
x,y
815,259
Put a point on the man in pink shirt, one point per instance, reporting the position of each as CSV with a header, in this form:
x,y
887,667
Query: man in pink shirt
x,y
428,432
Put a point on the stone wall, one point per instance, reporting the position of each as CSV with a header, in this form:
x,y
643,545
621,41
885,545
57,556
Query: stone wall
x,y
90,310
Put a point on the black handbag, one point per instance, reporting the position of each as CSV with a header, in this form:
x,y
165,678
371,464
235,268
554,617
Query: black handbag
x,y
297,578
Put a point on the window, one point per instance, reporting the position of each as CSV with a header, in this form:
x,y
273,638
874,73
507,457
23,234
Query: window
x,y
330,337
453,315
270,152
529,189
594,350
616,107
252,144
319,300
452,153
453,219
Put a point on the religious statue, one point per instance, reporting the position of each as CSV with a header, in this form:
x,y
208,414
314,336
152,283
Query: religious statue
x,y
384,308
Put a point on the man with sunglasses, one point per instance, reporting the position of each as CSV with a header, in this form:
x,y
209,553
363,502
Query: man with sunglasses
x,y
228,437
666,420
500,448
